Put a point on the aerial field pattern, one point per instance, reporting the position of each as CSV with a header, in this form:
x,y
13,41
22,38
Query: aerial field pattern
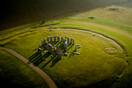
x,y
103,60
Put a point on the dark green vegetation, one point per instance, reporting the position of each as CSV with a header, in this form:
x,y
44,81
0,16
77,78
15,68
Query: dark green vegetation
x,y
20,12
105,37
98,61
16,74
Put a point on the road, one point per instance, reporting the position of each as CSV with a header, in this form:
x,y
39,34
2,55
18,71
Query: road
x,y
48,80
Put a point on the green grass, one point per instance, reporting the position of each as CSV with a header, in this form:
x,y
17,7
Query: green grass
x,y
32,11
74,71
15,73
118,36
93,65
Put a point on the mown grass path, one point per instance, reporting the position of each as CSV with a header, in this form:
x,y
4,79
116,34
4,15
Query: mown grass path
x,y
48,80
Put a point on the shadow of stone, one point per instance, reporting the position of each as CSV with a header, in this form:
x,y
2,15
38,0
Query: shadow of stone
x,y
33,56
46,55
70,46
38,60
55,61
72,53
57,43
54,43
49,61
62,47
36,55
41,58
43,46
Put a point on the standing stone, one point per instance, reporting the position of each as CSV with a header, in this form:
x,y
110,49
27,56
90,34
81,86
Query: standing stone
x,y
55,38
59,56
59,52
62,39
66,45
77,47
71,40
44,41
48,40
51,40
58,38
50,48
67,38
57,49
40,51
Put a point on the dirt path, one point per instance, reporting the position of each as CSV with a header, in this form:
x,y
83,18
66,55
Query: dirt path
x,y
48,80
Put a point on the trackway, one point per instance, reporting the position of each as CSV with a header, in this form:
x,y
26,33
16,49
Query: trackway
x,y
48,80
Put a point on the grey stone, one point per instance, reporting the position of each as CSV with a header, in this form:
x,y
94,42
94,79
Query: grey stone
x,y
40,50
77,47
59,56
64,42
51,40
72,41
66,54
62,39
75,53
48,40
44,41
57,49
49,45
67,39
65,45
50,48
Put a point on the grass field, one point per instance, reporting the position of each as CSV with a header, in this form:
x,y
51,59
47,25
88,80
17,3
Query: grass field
x,y
18,13
106,48
15,73
93,65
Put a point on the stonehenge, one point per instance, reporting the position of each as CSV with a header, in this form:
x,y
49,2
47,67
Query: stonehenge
x,y
55,48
